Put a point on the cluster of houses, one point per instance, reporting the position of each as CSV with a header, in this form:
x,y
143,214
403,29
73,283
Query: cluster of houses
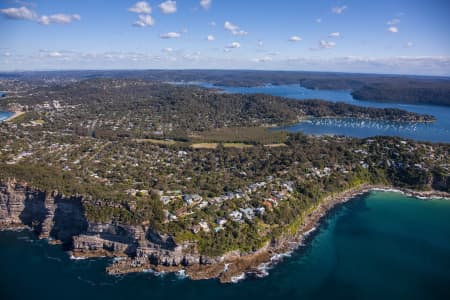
x,y
19,157
239,215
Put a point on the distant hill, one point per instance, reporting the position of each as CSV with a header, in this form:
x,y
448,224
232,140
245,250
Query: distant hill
x,y
374,87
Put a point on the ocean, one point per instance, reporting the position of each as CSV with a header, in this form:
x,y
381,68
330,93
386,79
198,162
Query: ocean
x,y
382,245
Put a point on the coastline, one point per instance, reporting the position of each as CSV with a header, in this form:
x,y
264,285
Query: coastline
x,y
233,267
15,115
230,267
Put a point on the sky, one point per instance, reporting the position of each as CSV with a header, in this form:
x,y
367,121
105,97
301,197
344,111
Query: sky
x,y
383,36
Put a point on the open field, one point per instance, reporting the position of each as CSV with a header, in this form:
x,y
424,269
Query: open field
x,y
237,145
204,146
156,142
275,145
246,135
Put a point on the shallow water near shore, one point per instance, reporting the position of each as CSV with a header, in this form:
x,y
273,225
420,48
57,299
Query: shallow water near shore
x,y
382,245
5,115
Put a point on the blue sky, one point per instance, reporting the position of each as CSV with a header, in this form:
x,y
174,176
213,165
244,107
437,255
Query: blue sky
x,y
383,36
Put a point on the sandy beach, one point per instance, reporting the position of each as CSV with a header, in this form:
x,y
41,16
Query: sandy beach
x,y
16,114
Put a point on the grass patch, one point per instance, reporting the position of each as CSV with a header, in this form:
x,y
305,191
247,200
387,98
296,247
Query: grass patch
x,y
204,146
155,141
237,145
275,145
39,122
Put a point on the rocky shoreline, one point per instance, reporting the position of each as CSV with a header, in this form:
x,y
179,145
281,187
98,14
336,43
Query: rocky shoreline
x,y
61,219
234,267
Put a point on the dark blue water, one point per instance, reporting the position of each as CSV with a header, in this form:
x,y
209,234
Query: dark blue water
x,y
438,131
382,246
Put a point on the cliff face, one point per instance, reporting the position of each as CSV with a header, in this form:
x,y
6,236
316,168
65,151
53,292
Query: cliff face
x,y
48,214
52,215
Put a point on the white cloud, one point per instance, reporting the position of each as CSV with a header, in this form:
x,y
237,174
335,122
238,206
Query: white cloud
x,y
144,21
234,29
23,13
262,59
170,35
25,3
393,22
55,54
334,34
205,3
59,19
168,50
168,7
393,29
295,38
210,38
20,13
233,45
212,23
141,7
319,20
179,59
338,9
260,43
408,45
326,44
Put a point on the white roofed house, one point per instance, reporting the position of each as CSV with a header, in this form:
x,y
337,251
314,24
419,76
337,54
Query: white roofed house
x,y
236,216
221,221
192,198
248,212
204,226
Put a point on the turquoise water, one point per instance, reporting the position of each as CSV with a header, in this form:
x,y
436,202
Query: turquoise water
x,y
383,245
5,115
438,131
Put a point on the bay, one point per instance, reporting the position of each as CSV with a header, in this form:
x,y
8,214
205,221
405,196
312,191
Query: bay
x,y
381,245
438,131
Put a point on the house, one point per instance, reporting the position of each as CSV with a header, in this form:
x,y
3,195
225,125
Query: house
x,y
203,204
195,228
236,216
229,195
182,153
191,198
289,186
221,221
260,211
169,216
181,211
204,226
268,205
248,212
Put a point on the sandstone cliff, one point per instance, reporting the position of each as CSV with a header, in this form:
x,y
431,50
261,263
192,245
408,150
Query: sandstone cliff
x,y
57,217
